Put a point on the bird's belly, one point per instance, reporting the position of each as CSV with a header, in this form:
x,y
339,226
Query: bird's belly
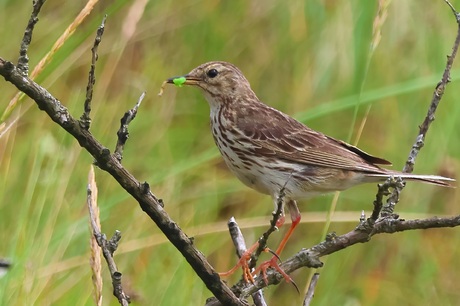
x,y
265,176
247,172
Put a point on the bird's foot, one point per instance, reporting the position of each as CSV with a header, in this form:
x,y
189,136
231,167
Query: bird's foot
x,y
249,275
243,262
273,263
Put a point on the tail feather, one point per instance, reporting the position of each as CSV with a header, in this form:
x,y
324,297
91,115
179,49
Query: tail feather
x,y
430,179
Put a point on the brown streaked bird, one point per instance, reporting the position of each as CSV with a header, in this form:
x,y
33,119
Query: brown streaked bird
x,y
268,150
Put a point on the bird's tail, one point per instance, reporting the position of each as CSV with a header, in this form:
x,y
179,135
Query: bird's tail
x,y
429,179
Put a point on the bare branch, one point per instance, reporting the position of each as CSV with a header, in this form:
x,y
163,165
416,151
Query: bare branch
x,y
140,191
311,257
240,246
23,60
311,290
436,98
454,11
397,184
68,32
237,236
123,133
383,190
242,253
430,116
107,247
85,119
154,206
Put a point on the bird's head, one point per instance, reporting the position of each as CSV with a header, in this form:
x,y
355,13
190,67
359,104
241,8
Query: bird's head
x,y
221,82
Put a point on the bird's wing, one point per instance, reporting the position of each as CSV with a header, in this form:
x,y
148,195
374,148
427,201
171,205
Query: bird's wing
x,y
275,134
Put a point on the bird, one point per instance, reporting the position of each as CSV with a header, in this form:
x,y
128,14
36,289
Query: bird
x,y
271,152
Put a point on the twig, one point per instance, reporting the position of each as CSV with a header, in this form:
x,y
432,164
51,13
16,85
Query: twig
x,y
430,116
388,210
152,205
23,60
68,32
362,217
123,133
311,257
436,98
397,184
107,247
277,214
85,119
140,191
240,246
383,190
311,290
237,237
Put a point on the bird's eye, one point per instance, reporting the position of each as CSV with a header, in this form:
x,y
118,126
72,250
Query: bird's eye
x,y
212,73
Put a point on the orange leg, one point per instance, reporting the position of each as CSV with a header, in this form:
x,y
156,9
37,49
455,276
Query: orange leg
x,y
273,262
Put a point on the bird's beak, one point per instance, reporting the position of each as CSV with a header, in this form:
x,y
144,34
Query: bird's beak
x,y
184,80
180,81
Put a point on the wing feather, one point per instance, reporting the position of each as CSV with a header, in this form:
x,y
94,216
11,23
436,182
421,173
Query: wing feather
x,y
276,134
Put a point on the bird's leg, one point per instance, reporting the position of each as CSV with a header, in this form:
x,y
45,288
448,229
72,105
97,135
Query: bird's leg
x,y
258,247
252,254
295,218
273,262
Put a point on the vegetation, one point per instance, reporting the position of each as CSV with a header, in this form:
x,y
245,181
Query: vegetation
x,y
311,59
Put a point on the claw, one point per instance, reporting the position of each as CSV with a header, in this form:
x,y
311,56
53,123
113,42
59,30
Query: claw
x,y
273,253
295,286
274,264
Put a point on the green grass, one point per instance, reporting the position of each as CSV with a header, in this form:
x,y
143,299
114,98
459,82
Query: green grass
x,y
309,59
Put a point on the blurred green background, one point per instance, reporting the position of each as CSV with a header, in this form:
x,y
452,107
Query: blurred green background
x,y
311,59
